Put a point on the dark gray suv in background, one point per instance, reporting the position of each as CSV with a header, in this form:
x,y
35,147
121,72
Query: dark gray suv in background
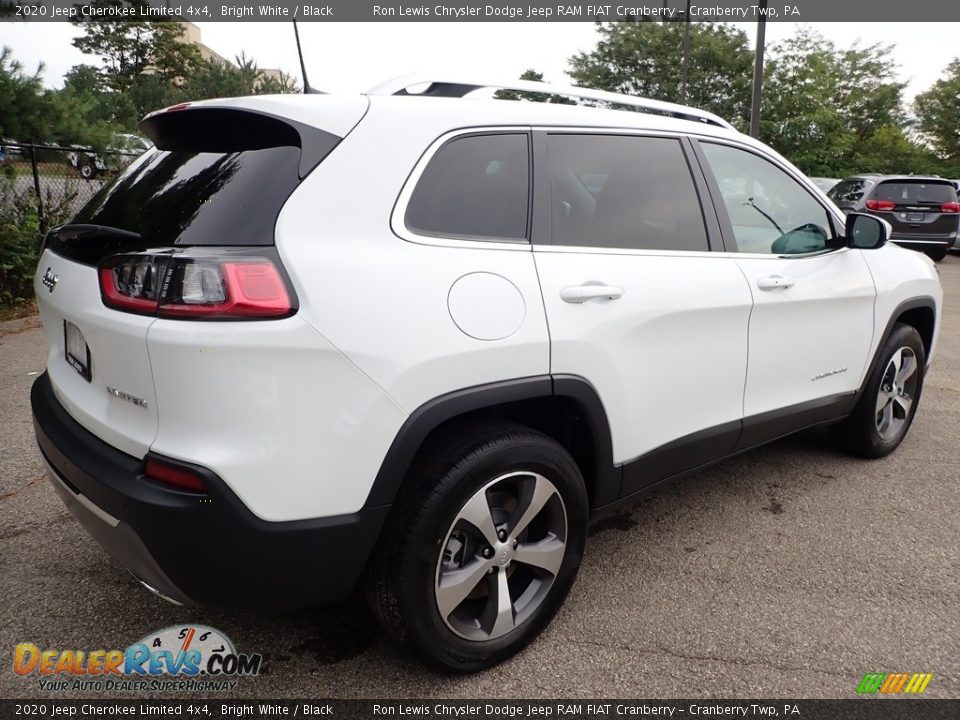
x,y
923,211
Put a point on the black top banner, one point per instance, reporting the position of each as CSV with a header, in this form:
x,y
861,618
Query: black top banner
x,y
491,11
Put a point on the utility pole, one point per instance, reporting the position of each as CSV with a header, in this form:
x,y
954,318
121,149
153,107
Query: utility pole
x,y
758,72
686,54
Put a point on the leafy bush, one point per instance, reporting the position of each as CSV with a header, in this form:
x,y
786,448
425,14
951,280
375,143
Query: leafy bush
x,y
21,232
19,245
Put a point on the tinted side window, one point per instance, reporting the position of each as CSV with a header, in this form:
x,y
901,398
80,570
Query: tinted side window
x,y
619,191
848,192
474,187
770,211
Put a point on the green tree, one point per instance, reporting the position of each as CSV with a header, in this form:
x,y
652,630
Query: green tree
x,y
24,106
214,78
938,114
835,112
533,76
144,62
645,58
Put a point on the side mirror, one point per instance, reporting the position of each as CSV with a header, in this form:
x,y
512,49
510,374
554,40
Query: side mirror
x,y
867,232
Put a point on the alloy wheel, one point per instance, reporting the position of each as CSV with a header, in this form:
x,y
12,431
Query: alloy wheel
x,y
896,394
501,556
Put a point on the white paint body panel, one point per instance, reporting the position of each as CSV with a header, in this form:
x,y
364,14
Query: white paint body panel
x,y
669,357
275,410
118,351
821,324
901,275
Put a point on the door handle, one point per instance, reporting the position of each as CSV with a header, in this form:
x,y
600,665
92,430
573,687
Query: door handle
x,y
582,293
775,282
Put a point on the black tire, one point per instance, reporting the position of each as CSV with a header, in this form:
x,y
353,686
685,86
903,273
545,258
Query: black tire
x,y
450,472
87,170
860,433
937,255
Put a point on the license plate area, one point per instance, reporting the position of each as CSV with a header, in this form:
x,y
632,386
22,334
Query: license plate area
x,y
915,217
76,350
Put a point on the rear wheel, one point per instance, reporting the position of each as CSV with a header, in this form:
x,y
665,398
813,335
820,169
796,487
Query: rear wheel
x,y
886,408
937,255
482,549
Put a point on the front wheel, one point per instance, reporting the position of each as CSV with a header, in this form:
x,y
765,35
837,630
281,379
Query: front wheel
x,y
889,400
87,170
937,255
482,549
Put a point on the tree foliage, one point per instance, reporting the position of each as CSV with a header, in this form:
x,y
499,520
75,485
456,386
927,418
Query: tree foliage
x,y
938,114
646,59
23,104
833,112
533,76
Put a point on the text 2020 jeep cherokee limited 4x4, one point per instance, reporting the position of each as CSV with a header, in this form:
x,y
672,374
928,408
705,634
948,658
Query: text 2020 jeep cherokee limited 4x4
x,y
409,344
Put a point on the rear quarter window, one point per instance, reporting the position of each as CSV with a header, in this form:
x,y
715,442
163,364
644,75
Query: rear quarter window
x,y
474,187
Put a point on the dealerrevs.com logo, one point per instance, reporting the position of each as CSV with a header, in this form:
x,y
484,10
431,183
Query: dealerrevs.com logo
x,y
177,658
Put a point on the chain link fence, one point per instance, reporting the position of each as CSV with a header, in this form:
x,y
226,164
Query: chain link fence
x,y
42,186
59,180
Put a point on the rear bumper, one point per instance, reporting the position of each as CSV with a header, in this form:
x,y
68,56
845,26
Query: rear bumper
x,y
198,549
922,242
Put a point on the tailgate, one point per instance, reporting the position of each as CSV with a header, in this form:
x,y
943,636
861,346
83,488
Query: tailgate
x,y
918,207
217,178
117,402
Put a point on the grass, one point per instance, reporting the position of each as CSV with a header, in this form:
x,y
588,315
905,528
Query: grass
x,y
20,310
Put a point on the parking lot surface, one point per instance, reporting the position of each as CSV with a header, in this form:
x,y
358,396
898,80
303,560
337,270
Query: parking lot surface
x,y
789,571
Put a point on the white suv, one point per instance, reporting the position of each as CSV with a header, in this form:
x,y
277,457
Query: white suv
x,y
410,343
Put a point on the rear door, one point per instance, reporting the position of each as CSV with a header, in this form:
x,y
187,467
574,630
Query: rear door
x,y
219,177
636,303
813,298
918,210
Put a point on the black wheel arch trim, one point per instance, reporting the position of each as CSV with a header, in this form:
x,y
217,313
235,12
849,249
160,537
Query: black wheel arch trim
x,y
432,414
924,302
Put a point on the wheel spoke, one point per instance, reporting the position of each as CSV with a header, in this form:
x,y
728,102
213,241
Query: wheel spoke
x,y
896,361
504,622
907,368
455,585
477,513
884,425
903,402
539,496
546,554
883,399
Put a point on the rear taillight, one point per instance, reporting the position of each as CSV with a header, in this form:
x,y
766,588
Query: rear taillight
x,y
174,476
880,205
950,207
181,286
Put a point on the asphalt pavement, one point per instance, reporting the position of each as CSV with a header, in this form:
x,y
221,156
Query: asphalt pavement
x,y
789,571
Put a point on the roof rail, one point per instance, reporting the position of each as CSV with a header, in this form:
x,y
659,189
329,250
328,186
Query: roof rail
x,y
458,88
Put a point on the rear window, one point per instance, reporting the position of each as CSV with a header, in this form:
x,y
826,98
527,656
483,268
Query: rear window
x,y
184,197
916,193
